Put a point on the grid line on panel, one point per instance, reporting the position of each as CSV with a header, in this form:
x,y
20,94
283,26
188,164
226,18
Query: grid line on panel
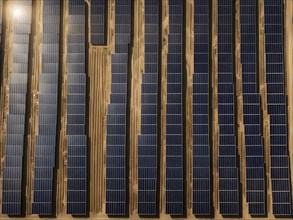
x,y
116,180
227,156
255,184
48,93
147,139
277,108
12,184
174,116
201,105
76,110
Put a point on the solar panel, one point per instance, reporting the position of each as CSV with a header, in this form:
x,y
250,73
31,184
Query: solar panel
x,y
116,129
228,194
174,120
12,191
48,92
201,152
277,107
255,186
147,147
98,22
76,110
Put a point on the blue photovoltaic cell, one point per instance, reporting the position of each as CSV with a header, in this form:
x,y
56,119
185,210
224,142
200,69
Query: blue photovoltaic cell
x,y
174,117
98,17
76,92
201,152
255,185
228,183
277,108
116,127
46,138
147,140
12,173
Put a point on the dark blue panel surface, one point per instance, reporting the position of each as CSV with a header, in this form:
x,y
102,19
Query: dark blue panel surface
x,y
76,110
98,21
147,148
277,107
174,120
201,153
12,190
228,192
252,110
116,127
48,93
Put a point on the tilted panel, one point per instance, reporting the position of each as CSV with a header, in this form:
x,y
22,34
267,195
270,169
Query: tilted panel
x,y
201,105
147,140
277,108
12,190
116,115
76,110
98,17
174,116
48,96
227,153
255,181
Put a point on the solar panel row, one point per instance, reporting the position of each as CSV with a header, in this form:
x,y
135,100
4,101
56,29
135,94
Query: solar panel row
x,y
116,179
13,171
98,21
201,136
147,140
116,115
76,110
48,96
227,156
174,116
277,108
255,184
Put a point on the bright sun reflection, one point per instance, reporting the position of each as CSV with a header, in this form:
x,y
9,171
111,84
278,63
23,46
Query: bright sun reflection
x,y
17,12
